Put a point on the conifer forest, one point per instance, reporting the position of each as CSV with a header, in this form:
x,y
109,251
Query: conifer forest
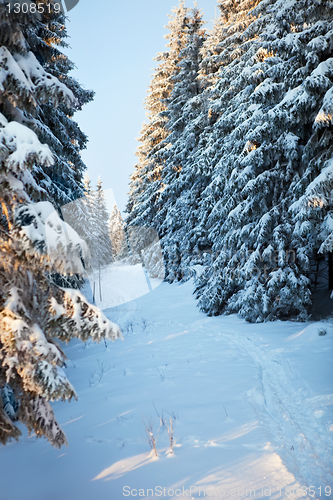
x,y
215,283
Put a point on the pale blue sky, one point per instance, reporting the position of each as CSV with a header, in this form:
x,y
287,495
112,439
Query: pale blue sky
x,y
113,44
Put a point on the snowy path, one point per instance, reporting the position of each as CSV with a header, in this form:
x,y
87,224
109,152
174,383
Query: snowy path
x,y
252,407
285,405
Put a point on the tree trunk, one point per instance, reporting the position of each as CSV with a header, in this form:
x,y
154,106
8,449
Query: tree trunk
x,y
330,271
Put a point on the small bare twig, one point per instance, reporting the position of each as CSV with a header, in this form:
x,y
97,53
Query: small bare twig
x,y
167,425
161,417
103,368
91,378
121,418
170,432
149,426
173,415
161,374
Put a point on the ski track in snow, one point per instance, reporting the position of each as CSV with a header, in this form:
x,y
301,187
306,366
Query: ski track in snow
x,y
284,406
289,413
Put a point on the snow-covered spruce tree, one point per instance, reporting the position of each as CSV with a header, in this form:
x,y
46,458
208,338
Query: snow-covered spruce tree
x,y
146,181
102,217
194,243
312,211
96,225
237,42
186,215
224,43
77,215
34,245
117,234
89,227
269,152
175,208
45,37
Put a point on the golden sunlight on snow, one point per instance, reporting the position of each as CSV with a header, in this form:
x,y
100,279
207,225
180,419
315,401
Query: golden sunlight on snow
x,y
124,466
266,475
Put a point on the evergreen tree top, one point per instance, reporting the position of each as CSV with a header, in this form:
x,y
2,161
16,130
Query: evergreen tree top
x,y
41,37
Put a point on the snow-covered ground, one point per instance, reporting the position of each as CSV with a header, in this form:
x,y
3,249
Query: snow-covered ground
x,y
117,284
251,407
